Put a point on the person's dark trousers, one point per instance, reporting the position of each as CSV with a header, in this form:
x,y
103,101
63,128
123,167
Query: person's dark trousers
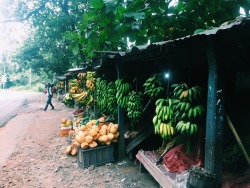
x,y
49,103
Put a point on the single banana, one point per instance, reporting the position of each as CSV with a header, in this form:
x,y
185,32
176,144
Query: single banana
x,y
187,125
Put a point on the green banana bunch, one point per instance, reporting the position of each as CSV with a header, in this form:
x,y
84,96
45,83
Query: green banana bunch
x,y
101,95
180,91
184,93
135,106
105,97
153,86
68,100
164,110
195,93
187,128
181,109
187,111
123,89
111,100
196,112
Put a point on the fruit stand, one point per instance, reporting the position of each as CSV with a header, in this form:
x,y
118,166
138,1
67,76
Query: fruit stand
x,y
205,62
181,114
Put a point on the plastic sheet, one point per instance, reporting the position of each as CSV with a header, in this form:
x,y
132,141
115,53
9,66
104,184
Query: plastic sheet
x,y
177,160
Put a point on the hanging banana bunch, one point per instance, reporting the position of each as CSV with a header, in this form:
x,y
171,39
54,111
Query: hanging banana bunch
x,y
123,90
90,80
187,108
164,118
105,97
81,79
153,86
101,95
111,100
135,106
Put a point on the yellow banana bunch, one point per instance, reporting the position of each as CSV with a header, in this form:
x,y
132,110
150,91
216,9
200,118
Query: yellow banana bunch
x,y
90,80
164,118
81,75
80,96
165,130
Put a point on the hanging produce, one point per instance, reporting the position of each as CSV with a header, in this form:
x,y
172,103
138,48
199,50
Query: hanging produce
x,y
101,95
164,118
135,106
81,79
153,86
111,99
60,85
80,93
83,98
68,100
187,108
122,95
90,80
73,86
105,97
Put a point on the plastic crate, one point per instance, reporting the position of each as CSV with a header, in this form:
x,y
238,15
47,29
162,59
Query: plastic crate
x,y
95,156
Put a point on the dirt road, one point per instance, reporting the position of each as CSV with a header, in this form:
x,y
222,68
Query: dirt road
x,y
34,154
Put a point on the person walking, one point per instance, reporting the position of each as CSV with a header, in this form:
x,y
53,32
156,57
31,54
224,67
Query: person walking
x,y
50,95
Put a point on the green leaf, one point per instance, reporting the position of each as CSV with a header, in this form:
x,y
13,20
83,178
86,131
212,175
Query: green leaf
x,y
96,4
75,49
179,7
135,15
113,36
120,9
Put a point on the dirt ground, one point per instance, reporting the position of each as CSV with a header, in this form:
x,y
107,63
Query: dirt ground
x,y
37,158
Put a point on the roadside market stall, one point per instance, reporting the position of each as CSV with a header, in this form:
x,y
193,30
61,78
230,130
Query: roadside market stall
x,y
173,98
215,60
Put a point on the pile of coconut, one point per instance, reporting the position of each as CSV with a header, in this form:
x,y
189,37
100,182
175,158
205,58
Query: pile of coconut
x,y
93,134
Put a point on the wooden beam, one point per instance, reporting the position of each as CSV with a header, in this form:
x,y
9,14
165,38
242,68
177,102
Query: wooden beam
x,y
215,114
121,123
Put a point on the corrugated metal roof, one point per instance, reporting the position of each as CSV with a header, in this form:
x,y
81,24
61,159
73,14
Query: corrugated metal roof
x,y
175,45
226,26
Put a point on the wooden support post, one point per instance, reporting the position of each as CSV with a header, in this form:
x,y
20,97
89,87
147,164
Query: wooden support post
x,y
215,114
121,123
95,108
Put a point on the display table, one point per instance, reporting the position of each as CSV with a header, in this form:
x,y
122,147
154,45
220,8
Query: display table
x,y
159,172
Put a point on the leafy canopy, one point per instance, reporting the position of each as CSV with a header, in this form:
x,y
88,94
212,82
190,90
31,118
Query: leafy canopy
x,y
67,32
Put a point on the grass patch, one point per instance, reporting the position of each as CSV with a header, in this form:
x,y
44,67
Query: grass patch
x,y
36,88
